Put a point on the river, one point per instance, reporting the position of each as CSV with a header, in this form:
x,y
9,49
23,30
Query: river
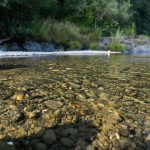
x,y
75,102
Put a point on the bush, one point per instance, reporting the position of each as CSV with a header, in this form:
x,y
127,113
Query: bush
x,y
118,37
116,44
130,31
94,46
117,47
61,33
94,36
75,45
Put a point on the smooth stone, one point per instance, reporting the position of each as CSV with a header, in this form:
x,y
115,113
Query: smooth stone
x,y
34,142
53,104
90,147
81,144
14,114
117,136
20,96
40,146
67,142
4,146
49,137
72,131
75,86
80,97
33,114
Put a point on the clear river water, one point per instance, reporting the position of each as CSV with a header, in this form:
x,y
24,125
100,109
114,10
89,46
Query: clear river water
x,y
75,102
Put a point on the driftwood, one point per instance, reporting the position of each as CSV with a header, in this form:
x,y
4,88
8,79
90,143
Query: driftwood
x,y
4,40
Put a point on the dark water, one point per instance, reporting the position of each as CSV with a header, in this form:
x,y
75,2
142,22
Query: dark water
x,y
120,84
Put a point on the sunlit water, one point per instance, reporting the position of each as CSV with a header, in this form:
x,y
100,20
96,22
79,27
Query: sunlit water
x,y
118,81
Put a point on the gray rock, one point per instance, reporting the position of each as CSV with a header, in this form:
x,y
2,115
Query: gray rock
x,y
48,47
3,48
15,47
38,47
32,46
49,137
67,142
81,144
139,49
34,142
12,47
53,104
4,146
41,146
72,131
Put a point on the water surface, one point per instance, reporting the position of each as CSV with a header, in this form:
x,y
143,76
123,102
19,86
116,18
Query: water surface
x,y
51,92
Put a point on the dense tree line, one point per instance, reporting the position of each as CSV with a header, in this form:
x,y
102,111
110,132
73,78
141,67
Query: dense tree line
x,y
17,16
142,15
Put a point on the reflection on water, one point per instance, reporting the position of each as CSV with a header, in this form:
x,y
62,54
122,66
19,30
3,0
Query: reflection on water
x,y
57,94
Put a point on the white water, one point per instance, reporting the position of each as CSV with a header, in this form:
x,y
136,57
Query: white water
x,y
31,54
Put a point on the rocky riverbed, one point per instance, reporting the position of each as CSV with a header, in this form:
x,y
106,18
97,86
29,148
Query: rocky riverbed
x,y
75,103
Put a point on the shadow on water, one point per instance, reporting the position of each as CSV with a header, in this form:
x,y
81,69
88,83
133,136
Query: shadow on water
x,y
77,136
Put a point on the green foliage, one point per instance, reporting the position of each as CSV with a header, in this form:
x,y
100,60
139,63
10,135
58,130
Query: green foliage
x,y
75,45
77,20
96,14
118,36
131,30
61,33
114,46
107,15
142,16
94,35
117,42
94,46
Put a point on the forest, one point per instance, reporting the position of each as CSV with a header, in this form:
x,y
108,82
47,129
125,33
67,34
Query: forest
x,y
72,23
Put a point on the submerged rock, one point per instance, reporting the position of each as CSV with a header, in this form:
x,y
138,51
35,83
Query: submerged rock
x,y
20,96
67,142
5,146
49,137
41,146
53,104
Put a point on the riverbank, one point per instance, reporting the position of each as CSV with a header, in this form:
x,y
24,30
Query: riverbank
x,y
120,44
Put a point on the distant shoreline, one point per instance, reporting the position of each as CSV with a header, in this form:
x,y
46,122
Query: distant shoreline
x,y
58,53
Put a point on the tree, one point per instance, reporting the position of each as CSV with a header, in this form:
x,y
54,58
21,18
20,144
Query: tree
x,y
142,16
108,15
